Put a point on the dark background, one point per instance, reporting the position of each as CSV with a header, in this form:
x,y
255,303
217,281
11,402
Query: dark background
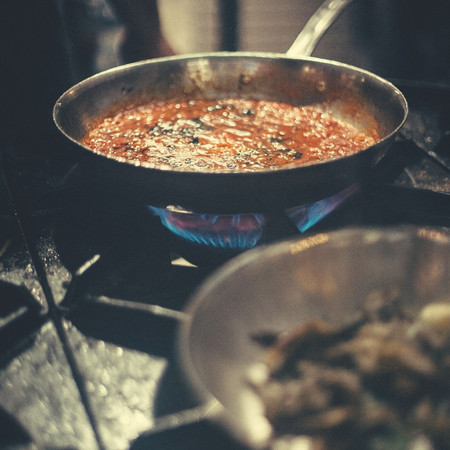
x,y
397,39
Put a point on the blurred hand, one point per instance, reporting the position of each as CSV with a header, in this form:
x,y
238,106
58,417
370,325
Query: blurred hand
x,y
143,36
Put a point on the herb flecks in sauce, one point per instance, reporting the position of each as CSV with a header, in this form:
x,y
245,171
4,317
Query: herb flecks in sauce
x,y
229,134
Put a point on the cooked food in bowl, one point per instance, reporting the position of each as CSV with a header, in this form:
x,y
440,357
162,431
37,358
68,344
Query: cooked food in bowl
x,y
365,300
379,380
212,135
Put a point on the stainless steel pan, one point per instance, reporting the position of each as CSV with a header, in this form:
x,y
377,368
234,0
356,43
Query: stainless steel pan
x,y
357,96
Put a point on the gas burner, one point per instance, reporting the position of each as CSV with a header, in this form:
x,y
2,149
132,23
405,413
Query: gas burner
x,y
230,234
222,231
305,217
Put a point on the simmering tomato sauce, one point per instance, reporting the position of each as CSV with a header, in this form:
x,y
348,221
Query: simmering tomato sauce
x,y
230,134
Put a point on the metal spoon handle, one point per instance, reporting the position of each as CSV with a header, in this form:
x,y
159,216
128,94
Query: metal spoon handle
x,y
317,25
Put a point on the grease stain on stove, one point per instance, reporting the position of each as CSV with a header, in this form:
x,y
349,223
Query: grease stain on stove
x,y
16,265
37,389
122,384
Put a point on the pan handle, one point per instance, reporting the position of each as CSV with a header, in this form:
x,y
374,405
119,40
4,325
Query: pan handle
x,y
315,28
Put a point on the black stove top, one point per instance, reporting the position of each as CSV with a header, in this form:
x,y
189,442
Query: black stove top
x,y
93,289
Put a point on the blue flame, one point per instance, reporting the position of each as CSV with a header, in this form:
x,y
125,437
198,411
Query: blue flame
x,y
304,217
227,231
242,231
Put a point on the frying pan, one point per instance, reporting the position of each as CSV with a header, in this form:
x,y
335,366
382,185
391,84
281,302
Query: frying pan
x,y
276,288
356,96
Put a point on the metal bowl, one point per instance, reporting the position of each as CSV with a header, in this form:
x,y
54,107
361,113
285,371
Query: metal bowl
x,y
276,288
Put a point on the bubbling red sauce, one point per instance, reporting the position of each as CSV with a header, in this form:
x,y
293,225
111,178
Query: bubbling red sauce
x,y
224,135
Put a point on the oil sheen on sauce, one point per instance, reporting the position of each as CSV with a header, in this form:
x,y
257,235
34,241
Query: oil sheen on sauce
x,y
224,135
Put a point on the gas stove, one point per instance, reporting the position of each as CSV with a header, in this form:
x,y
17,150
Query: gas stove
x,y
93,289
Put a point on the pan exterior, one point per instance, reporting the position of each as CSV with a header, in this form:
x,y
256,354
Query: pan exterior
x,y
356,96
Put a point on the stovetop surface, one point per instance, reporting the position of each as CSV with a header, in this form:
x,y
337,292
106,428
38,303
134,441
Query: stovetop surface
x,y
93,290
